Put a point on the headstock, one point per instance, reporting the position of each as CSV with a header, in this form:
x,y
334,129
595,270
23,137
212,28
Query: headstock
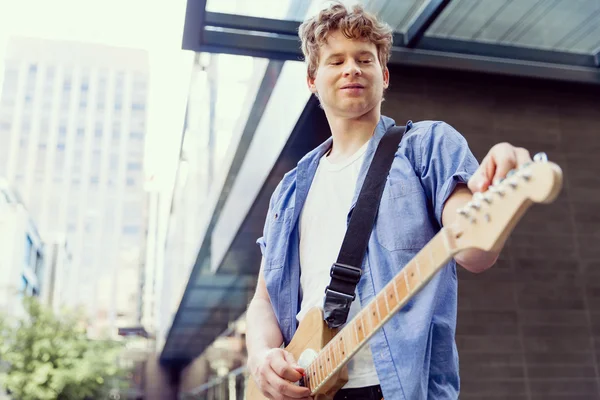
x,y
487,220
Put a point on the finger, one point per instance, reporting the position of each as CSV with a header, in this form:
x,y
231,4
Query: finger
x,y
285,369
523,156
482,177
504,159
289,357
281,386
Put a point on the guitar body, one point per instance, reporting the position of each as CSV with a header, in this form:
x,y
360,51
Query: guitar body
x,y
312,334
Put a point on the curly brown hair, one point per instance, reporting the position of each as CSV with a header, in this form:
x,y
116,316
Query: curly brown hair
x,y
355,24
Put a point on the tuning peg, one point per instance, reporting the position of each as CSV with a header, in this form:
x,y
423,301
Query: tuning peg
x,y
474,205
496,190
540,157
462,211
482,196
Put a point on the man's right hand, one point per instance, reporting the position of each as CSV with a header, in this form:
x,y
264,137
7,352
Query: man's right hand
x,y
274,370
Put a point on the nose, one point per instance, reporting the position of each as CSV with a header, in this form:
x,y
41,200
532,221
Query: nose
x,y
352,69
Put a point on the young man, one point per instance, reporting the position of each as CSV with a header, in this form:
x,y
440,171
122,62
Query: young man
x,y
433,174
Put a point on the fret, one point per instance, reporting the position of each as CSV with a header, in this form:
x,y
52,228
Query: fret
x,y
431,256
418,266
412,280
380,320
308,378
408,289
322,373
391,297
402,292
371,309
387,306
334,355
353,324
342,344
330,359
381,306
360,327
396,289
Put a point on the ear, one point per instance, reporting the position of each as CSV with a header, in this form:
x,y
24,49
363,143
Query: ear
x,y
310,82
386,78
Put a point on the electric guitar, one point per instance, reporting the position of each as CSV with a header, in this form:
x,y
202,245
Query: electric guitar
x,y
484,223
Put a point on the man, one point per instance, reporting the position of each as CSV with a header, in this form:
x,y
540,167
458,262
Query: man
x,y
433,174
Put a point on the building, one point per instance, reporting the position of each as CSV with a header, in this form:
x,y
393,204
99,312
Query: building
x,y
496,73
21,252
56,273
72,125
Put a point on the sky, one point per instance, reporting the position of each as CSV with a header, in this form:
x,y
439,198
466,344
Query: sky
x,y
153,25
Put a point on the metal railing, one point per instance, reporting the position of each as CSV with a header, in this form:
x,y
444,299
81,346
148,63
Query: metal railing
x,y
229,387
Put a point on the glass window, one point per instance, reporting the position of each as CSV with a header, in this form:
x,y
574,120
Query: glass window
x,y
114,162
28,248
131,229
39,266
134,166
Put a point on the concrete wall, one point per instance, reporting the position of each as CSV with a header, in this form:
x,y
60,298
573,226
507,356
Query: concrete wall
x,y
158,382
530,327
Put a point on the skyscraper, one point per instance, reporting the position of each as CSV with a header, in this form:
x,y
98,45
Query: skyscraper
x,y
72,131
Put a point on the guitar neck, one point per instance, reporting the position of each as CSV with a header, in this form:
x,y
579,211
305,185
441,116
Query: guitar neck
x,y
374,315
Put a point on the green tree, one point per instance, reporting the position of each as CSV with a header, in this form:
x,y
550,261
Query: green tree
x,y
47,357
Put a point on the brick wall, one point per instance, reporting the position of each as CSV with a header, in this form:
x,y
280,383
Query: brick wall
x,y
529,328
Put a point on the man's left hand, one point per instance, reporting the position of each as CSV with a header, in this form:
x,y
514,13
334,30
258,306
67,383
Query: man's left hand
x,y
496,164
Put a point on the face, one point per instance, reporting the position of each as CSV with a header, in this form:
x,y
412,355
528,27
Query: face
x,y
349,80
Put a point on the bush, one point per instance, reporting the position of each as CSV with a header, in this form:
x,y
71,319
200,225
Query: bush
x,y
46,357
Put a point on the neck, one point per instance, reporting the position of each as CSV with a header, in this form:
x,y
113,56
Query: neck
x,y
350,134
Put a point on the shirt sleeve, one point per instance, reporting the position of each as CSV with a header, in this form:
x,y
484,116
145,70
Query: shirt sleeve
x,y
262,241
445,161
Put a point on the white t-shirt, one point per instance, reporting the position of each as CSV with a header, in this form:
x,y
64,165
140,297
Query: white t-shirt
x,y
323,224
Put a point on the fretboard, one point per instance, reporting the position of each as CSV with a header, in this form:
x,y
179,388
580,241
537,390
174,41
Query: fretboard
x,y
376,313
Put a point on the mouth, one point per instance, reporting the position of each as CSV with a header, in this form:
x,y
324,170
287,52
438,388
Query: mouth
x,y
353,86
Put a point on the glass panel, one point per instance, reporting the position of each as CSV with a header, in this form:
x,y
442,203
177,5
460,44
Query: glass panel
x,y
546,24
397,13
275,9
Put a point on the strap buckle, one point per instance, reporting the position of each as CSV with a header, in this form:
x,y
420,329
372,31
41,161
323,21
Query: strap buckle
x,y
335,294
346,273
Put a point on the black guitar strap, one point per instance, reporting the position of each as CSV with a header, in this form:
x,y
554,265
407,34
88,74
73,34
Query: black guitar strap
x,y
347,270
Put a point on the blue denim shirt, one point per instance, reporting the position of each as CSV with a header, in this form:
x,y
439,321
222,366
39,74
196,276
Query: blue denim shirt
x,y
415,352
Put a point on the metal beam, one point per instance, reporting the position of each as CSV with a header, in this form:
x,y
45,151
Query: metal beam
x,y
492,65
246,23
535,64
501,51
194,23
419,25
278,40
